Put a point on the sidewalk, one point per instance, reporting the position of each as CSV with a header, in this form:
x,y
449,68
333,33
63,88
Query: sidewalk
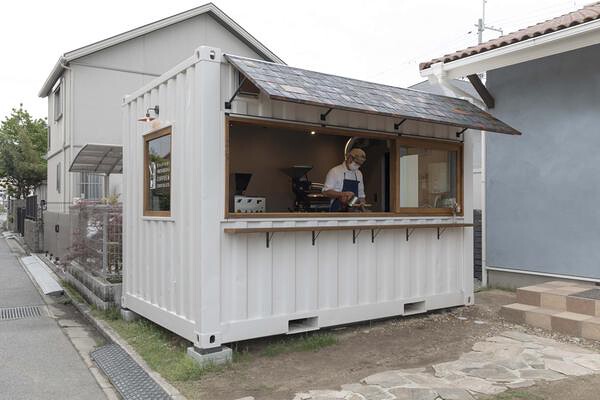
x,y
37,360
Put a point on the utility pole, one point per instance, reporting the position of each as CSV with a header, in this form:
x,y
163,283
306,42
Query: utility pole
x,y
481,26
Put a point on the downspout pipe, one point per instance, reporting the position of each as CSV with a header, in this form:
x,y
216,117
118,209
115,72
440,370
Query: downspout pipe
x,y
437,76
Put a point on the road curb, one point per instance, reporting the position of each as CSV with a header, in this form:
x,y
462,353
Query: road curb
x,y
113,337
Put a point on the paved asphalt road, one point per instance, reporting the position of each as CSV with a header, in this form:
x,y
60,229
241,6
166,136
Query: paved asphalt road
x,y
37,360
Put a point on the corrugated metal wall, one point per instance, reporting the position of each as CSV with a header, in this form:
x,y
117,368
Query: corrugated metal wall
x,y
160,254
186,274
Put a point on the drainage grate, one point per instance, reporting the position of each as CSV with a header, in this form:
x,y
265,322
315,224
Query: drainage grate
x,y
20,313
130,380
589,294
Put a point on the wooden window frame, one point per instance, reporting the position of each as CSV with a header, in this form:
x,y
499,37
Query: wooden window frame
x,y
434,145
147,138
398,141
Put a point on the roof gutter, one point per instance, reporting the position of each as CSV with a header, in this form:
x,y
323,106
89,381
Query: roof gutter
x,y
561,41
55,74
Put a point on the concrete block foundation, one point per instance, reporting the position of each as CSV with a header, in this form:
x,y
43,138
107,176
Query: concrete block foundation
x,y
220,355
128,315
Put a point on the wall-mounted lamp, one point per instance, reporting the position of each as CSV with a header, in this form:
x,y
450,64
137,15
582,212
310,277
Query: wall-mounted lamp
x,y
313,132
148,118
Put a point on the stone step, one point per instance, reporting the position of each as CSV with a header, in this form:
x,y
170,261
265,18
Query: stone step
x,y
562,296
566,322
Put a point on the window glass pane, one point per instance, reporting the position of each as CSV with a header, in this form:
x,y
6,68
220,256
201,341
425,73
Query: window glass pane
x,y
90,186
428,178
159,170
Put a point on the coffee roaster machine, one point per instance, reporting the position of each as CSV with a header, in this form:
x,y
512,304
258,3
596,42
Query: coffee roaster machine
x,y
308,195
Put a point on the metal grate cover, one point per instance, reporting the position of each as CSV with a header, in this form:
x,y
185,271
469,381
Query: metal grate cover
x,y
130,380
589,294
7,314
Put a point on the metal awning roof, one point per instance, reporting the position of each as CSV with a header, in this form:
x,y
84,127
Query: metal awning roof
x,y
99,159
282,82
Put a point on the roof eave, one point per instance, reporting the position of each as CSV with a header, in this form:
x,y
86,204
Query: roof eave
x,y
55,74
561,41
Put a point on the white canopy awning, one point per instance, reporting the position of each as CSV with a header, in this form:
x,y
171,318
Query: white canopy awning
x,y
99,159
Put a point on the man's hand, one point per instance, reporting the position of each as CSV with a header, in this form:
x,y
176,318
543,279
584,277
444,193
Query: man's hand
x,y
345,197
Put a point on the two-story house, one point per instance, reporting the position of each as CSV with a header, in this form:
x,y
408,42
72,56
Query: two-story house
x,y
85,91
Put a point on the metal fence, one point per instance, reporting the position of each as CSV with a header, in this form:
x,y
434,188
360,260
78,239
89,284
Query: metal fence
x,y
97,243
31,207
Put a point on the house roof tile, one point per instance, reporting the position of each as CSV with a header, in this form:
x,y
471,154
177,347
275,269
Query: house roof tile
x,y
588,13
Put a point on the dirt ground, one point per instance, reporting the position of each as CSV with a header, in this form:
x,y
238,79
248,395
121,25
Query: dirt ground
x,y
368,348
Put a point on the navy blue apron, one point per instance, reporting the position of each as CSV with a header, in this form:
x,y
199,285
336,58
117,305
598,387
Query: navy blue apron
x,y
350,185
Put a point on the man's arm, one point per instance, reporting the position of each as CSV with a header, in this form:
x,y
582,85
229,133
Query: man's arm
x,y
329,188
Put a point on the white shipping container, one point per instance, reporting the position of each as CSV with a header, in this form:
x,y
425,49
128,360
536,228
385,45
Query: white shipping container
x,y
198,274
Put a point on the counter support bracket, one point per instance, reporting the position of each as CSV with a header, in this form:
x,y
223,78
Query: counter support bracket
x,y
374,233
315,236
355,235
269,238
409,232
440,231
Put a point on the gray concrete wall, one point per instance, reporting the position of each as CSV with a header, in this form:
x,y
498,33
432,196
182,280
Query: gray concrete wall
x,y
34,235
543,189
57,243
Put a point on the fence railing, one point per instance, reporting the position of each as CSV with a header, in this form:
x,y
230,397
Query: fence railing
x,y
97,243
31,207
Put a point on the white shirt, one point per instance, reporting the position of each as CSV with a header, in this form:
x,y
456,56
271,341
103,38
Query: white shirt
x,y
336,175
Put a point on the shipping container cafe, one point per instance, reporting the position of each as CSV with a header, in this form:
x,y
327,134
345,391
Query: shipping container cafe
x,y
228,234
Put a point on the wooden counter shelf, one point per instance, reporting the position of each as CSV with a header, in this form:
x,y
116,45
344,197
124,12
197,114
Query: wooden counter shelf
x,y
375,229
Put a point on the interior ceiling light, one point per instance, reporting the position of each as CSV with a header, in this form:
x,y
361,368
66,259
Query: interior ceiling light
x,y
147,117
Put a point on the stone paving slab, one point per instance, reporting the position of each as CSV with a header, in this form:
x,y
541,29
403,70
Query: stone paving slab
x,y
510,360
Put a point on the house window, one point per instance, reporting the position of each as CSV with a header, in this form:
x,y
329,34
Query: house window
x,y
90,186
429,176
58,103
49,147
58,173
157,173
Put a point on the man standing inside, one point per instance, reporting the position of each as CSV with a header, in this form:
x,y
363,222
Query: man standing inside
x,y
345,181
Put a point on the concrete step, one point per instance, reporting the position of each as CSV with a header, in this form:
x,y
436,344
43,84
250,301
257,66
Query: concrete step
x,y
566,322
562,296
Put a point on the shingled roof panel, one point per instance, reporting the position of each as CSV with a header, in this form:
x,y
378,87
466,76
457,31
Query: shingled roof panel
x,y
319,89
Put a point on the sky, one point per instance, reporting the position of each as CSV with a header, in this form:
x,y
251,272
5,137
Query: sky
x,y
377,40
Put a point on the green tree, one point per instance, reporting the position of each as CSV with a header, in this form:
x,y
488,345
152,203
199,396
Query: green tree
x,y
23,144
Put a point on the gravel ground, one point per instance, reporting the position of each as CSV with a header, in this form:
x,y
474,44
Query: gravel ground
x,y
370,348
